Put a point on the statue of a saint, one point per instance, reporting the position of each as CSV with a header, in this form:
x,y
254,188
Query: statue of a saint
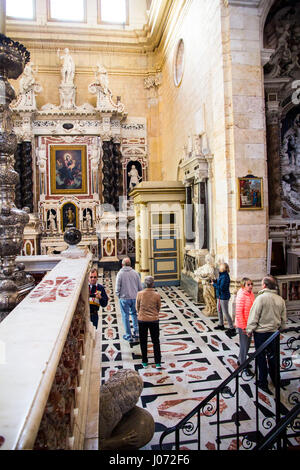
x,y
70,216
52,221
134,177
206,273
68,67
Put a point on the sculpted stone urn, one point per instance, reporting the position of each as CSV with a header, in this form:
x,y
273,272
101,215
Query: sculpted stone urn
x,y
13,58
122,424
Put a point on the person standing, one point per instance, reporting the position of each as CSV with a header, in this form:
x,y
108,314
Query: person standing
x,y
97,297
128,284
223,295
244,302
148,304
267,315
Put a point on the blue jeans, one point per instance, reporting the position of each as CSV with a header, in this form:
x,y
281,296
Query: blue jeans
x,y
128,307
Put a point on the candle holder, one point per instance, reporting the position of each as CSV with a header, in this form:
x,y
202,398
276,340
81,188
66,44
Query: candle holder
x,y
14,282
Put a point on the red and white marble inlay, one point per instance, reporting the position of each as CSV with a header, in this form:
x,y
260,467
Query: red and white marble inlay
x,y
51,290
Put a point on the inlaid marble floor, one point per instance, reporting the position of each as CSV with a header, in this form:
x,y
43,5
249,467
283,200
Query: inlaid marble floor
x,y
195,360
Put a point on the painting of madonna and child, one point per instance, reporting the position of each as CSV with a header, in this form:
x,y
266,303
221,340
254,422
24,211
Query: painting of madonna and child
x,y
68,169
250,193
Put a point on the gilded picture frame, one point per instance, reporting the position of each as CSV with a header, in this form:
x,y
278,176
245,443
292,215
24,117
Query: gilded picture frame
x,y
250,193
68,169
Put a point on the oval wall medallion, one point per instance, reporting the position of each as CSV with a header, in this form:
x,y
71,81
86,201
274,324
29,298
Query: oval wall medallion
x,y
179,63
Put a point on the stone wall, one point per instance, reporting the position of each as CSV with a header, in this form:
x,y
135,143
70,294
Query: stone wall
x,y
221,92
223,76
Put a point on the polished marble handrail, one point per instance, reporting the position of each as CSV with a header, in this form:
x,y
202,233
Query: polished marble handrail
x,y
33,336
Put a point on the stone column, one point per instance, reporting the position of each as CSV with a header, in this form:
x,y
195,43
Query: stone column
x,y
26,175
152,84
108,179
17,168
273,158
118,174
189,216
203,227
137,237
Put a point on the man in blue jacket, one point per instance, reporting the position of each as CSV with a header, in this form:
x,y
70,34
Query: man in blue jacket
x,y
97,297
128,284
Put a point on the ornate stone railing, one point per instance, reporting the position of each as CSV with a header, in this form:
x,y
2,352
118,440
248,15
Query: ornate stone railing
x,y
46,346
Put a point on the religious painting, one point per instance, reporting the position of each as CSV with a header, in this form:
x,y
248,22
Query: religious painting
x,y
134,174
68,169
69,215
250,193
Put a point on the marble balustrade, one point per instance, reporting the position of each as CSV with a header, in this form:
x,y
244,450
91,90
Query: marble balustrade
x,y
46,346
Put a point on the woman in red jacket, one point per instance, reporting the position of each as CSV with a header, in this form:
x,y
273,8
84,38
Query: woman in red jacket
x,y
244,301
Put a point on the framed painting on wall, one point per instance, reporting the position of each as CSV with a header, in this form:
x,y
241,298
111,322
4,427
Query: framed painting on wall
x,y
68,169
250,193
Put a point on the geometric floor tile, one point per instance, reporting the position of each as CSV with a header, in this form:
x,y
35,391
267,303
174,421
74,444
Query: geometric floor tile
x,y
195,360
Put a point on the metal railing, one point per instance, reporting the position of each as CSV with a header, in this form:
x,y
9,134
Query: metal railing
x,y
214,404
279,436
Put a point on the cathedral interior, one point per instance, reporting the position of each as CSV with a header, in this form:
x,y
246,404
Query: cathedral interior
x,y
166,132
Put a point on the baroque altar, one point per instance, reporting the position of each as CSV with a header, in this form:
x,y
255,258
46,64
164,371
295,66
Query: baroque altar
x,y
77,165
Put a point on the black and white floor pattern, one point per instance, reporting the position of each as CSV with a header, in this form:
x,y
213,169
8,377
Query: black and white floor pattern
x,y
195,360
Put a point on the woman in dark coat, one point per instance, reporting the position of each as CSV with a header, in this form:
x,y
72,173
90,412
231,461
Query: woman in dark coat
x,y
223,295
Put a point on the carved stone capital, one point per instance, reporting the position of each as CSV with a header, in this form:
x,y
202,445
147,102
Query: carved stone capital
x,y
154,80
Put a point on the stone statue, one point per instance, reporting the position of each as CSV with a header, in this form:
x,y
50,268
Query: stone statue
x,y
207,273
134,177
122,424
28,88
88,220
70,216
41,158
102,78
68,67
67,97
27,80
52,221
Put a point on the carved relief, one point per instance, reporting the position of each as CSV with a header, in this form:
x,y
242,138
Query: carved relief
x,y
27,90
57,424
290,168
282,33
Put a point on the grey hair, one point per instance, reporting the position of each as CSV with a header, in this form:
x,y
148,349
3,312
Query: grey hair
x,y
149,281
126,262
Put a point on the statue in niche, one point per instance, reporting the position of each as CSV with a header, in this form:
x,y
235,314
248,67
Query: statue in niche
x,y
134,174
52,222
207,274
122,424
88,220
68,67
69,215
